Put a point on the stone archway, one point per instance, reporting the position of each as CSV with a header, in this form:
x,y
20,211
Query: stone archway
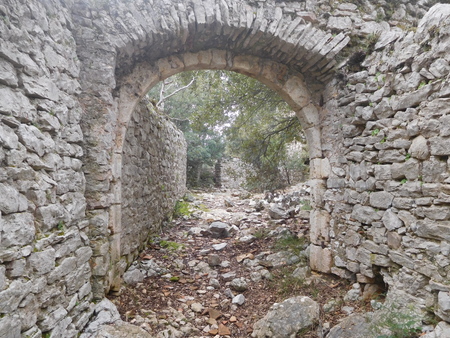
x,y
133,53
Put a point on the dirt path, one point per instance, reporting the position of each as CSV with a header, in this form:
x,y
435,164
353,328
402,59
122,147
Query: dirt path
x,y
203,284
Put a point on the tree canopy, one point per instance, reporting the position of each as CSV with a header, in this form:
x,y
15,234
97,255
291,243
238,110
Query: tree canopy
x,y
228,113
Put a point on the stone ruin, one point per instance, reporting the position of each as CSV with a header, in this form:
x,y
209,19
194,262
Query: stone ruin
x,y
87,172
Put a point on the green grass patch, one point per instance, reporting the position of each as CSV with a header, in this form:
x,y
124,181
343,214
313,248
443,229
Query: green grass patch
x,y
181,209
171,246
290,243
402,323
285,284
261,233
306,205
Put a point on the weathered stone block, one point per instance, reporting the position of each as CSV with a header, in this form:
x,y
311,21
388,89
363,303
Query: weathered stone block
x,y
296,92
335,183
411,100
394,240
352,238
321,259
439,146
439,68
320,226
317,191
13,295
34,140
381,199
431,229
309,116
14,102
410,170
10,326
391,155
52,318
434,170
339,23
391,221
320,168
403,203
401,259
42,262
11,200
49,216
63,269
17,229
382,172
365,214
435,213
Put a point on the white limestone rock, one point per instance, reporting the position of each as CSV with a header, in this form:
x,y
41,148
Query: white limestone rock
x,y
287,318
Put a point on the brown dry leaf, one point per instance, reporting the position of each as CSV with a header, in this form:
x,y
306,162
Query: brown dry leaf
x,y
166,293
213,332
147,257
240,258
211,321
130,314
214,314
223,330
233,319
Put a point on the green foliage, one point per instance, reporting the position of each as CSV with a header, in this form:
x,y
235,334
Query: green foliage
x,y
261,233
171,246
61,226
290,243
306,205
401,323
228,113
181,209
375,132
286,284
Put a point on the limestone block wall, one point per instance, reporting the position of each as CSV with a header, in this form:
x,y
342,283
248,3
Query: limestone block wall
x,y
48,239
44,243
153,176
75,155
386,135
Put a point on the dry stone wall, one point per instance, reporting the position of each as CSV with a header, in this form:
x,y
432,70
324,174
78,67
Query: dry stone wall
x,y
48,247
44,249
154,167
386,200
74,149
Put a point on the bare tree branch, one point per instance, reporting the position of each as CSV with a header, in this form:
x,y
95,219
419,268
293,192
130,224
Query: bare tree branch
x,y
162,99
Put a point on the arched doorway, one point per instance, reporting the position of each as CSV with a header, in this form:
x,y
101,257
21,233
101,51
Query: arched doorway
x,y
263,41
